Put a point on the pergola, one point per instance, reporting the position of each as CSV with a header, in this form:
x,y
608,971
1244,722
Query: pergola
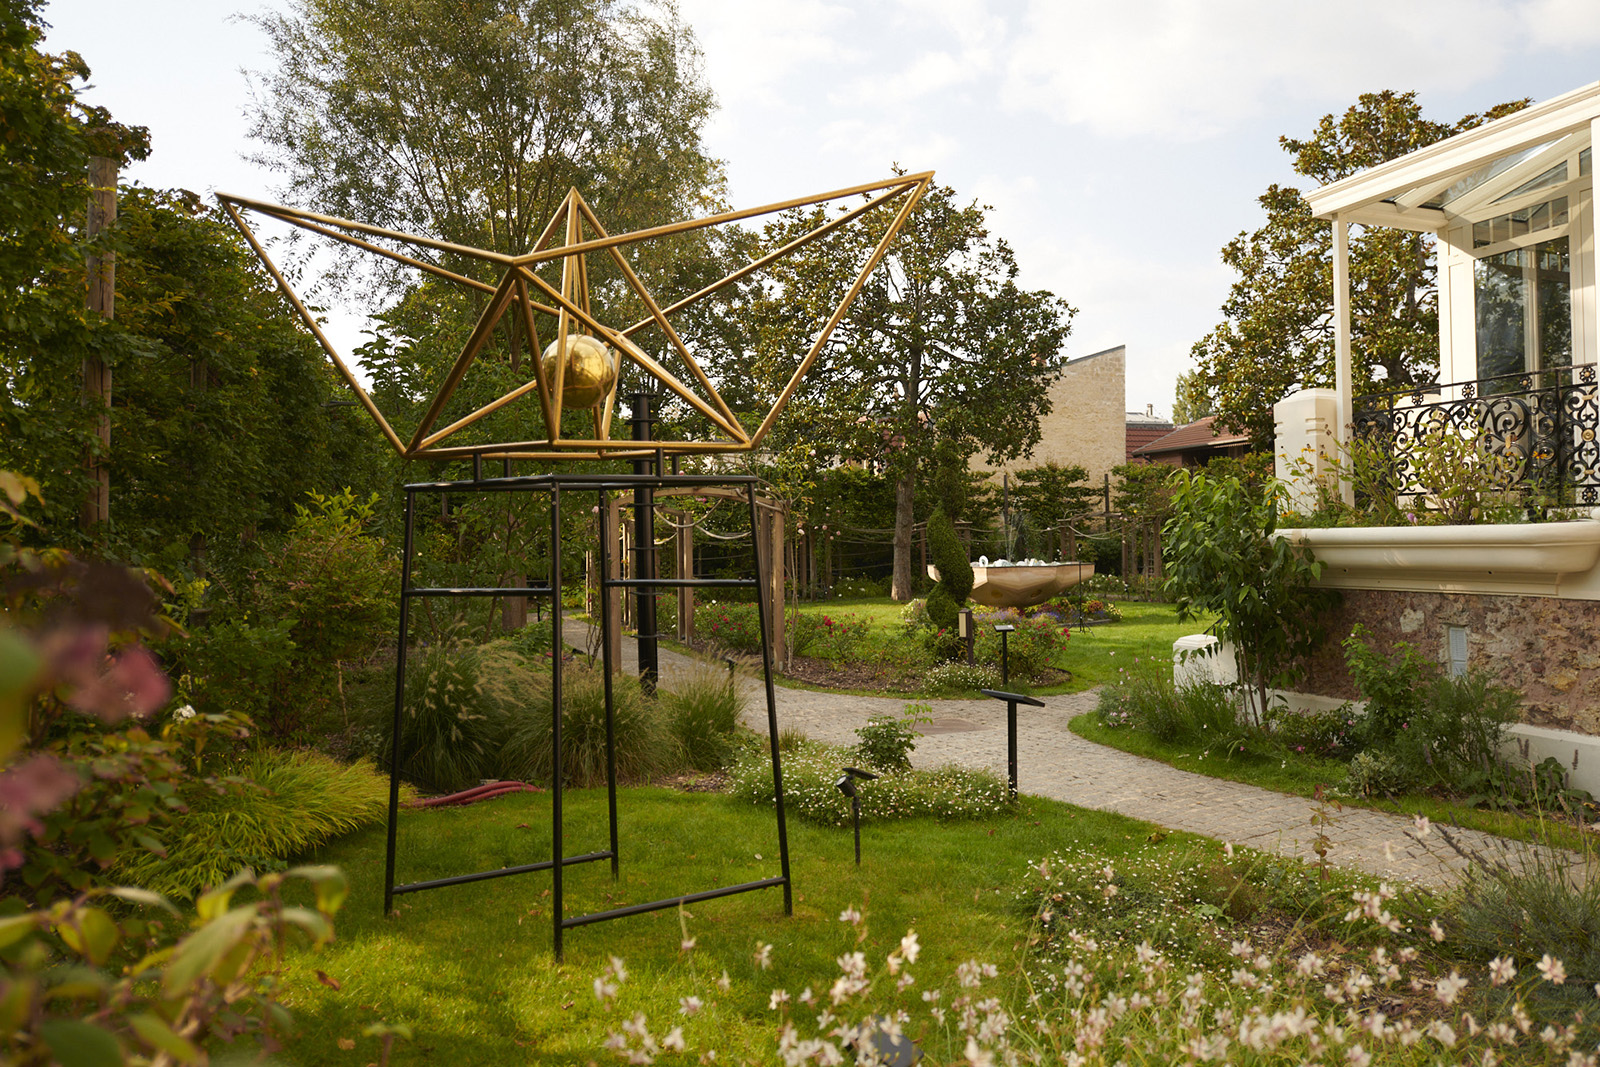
x,y
1513,195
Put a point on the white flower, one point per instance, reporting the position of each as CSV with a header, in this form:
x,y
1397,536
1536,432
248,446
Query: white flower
x,y
1554,970
779,998
1501,970
763,957
1448,989
850,915
185,712
1424,828
909,947
1436,930
723,983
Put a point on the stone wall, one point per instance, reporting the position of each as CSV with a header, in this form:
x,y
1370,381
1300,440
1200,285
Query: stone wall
x,y
1546,647
1087,424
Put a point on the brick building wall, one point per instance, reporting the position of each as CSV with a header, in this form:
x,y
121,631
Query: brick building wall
x,y
1086,425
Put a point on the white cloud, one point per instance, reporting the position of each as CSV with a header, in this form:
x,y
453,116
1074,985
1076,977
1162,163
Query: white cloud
x,y
1186,70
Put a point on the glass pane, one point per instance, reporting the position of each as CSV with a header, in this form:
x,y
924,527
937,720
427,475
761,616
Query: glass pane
x,y
1487,171
1583,163
1501,293
1558,211
1480,234
1554,292
1554,176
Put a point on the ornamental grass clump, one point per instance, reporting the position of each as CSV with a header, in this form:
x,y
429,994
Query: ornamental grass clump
x,y
703,712
452,723
810,769
281,804
644,742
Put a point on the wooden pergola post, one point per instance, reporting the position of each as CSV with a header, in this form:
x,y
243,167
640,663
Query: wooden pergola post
x,y
101,299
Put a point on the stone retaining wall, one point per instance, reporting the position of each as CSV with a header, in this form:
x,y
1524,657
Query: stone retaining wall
x,y
1546,647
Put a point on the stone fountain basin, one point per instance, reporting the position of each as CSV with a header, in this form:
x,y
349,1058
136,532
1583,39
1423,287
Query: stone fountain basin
x,y
1022,586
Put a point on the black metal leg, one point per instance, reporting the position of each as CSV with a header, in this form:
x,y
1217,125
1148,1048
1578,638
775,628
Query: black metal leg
x,y
399,707
557,649
606,622
772,700
1011,745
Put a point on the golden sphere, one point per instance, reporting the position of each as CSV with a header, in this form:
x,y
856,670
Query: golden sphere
x,y
589,371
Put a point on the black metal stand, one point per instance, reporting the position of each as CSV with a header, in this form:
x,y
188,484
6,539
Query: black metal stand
x,y
1012,700
646,582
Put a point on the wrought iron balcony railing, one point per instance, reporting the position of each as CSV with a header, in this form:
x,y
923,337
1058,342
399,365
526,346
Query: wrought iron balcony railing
x,y
1536,431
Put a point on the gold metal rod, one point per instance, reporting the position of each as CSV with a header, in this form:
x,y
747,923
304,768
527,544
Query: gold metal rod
x,y
661,320
293,215
716,220
632,350
538,355
316,331
773,256
839,313
387,253
480,337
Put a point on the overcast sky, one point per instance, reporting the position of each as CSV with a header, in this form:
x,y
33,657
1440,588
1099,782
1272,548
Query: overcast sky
x,y
1121,145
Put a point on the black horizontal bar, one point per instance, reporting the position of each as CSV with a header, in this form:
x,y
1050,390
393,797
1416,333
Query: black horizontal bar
x,y
514,590
481,876
670,902
699,583
1013,698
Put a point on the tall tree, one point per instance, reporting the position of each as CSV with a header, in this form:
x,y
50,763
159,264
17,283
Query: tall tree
x,y
1055,496
1190,399
1277,330
941,356
468,120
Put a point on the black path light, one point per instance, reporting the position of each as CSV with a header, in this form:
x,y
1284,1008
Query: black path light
x,y
847,785
1012,700
1003,629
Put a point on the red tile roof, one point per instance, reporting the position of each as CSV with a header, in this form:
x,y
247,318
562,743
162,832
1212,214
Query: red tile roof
x,y
1140,434
1195,436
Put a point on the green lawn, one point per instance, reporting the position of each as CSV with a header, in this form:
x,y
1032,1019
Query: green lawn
x,y
1300,775
1093,655
469,968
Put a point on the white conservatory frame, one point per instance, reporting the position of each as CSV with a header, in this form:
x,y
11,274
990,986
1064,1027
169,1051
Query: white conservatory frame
x,y
1448,186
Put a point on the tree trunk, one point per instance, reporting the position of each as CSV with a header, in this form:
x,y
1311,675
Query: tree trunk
x,y
904,501
101,298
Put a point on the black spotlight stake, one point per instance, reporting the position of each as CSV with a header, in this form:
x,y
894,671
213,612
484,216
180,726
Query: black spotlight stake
x,y
847,785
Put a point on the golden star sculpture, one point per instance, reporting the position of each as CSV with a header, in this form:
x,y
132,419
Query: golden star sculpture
x,y
579,370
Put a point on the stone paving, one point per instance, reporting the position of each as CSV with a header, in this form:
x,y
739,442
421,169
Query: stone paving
x,y
1056,763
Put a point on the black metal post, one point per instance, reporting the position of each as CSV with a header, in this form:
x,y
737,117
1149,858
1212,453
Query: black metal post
x,y
1012,700
772,699
399,706
603,498
558,647
644,548
855,816
1005,654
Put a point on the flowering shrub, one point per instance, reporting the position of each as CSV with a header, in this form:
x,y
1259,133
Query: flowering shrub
x,y
886,742
1032,647
1374,992
735,627
956,677
810,768
828,635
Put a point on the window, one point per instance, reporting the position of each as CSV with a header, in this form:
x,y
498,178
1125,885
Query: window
x,y
1524,310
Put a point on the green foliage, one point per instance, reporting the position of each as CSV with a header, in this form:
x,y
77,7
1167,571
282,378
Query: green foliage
x,y
1145,698
1221,557
1326,732
1031,648
860,587
1394,687
277,805
645,744
887,742
1054,496
88,985
827,635
1276,335
955,572
735,627
452,727
237,665
1143,491
954,676
1538,906
703,713
810,769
